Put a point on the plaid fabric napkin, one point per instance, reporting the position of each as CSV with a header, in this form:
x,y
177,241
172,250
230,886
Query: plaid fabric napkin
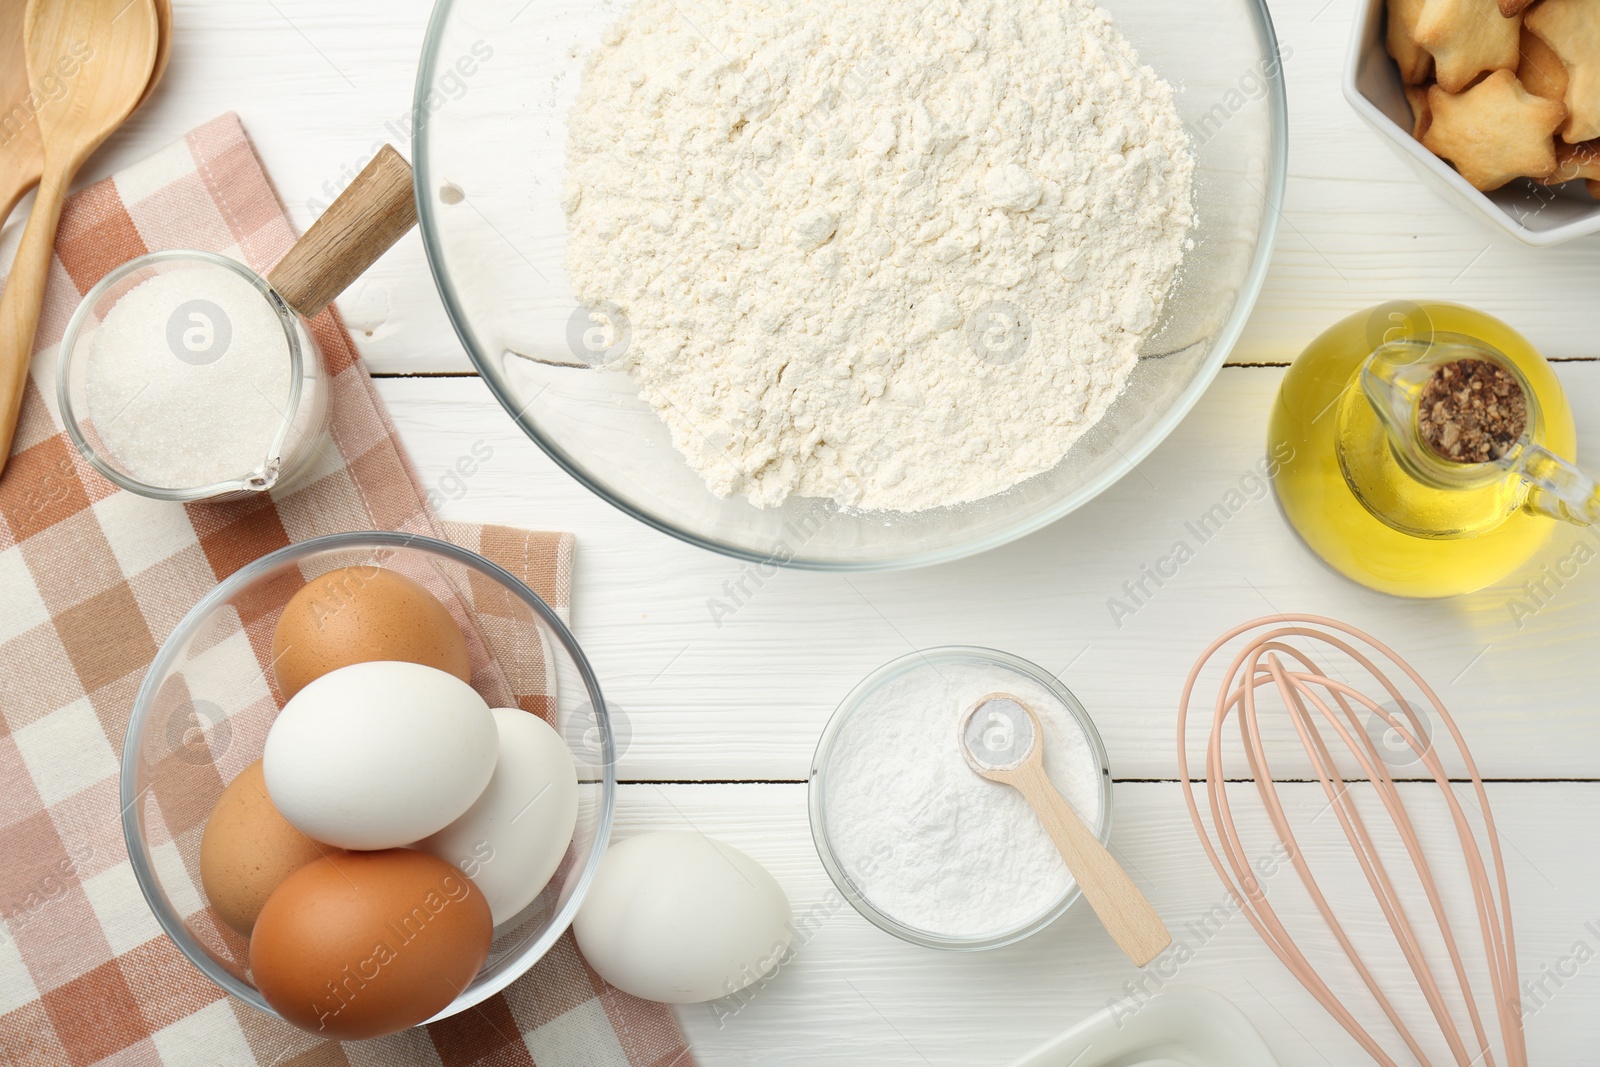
x,y
92,580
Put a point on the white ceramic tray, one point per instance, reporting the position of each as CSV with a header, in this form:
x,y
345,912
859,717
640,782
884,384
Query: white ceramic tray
x,y
1184,1026
1535,214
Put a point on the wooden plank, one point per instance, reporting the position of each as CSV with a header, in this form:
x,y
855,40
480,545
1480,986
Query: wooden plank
x,y
744,695
853,994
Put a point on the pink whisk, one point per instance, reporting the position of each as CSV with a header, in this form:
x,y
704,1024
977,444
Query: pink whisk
x,y
1308,695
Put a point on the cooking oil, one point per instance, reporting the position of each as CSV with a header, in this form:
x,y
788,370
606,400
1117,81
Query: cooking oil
x,y
1348,490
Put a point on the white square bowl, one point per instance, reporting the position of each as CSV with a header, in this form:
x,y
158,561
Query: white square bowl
x,y
1539,215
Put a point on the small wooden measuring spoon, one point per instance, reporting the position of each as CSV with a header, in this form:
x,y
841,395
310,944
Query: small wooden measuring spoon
x,y
21,151
125,36
1003,741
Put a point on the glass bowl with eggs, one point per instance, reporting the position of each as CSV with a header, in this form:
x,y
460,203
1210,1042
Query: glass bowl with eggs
x,y
367,782
849,287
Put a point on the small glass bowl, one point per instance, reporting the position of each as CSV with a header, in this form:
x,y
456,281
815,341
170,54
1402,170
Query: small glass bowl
x,y
202,716
199,333
817,791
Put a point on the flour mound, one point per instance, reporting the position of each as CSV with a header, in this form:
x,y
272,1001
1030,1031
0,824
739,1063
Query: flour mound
x,y
896,254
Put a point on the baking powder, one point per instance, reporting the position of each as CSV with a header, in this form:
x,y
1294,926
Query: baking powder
x,y
922,836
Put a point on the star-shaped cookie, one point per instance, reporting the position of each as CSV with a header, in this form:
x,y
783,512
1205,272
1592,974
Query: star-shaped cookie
x,y
1467,37
1572,29
1401,36
1421,116
1495,131
1574,161
1541,71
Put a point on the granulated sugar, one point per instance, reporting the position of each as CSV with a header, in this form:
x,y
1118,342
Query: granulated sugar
x,y
926,839
188,378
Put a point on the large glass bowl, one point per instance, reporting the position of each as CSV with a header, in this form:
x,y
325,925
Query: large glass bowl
x,y
497,80
202,716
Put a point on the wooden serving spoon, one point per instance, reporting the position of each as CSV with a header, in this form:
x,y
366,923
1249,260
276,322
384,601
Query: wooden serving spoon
x,y
21,151
163,49
1003,741
125,36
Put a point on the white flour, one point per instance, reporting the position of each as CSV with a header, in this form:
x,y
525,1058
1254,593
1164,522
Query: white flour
x,y
897,254
926,839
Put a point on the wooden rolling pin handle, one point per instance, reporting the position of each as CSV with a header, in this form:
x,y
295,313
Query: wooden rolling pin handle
x,y
365,221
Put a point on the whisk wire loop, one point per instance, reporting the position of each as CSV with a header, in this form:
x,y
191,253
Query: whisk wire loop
x,y
1317,704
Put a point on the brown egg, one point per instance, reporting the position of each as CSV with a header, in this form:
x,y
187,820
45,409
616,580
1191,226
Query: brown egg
x,y
363,944
360,614
247,849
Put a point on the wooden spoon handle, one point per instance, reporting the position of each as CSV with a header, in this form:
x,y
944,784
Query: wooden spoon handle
x,y
361,225
21,303
1127,915
17,176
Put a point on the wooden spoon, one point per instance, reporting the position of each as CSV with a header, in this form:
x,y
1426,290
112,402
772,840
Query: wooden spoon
x,y
125,37
21,152
163,48
1003,741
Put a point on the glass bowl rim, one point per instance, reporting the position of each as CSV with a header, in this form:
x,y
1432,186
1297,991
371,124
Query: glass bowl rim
x,y
172,924
1249,290
816,806
80,317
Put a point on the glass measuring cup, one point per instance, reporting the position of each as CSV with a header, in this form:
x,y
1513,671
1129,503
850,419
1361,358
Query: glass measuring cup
x,y
1361,489
195,352
172,395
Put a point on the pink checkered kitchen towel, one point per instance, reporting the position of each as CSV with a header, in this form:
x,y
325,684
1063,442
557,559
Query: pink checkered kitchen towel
x,y
92,579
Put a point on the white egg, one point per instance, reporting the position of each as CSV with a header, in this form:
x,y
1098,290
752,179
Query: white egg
x,y
680,918
513,837
379,754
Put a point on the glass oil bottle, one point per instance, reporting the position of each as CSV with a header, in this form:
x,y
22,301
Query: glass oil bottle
x,y
1364,491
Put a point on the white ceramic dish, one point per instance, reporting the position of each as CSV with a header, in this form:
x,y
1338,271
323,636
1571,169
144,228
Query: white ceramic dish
x,y
1535,214
1184,1026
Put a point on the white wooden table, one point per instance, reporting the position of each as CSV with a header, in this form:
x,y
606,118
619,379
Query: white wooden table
x,y
724,719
